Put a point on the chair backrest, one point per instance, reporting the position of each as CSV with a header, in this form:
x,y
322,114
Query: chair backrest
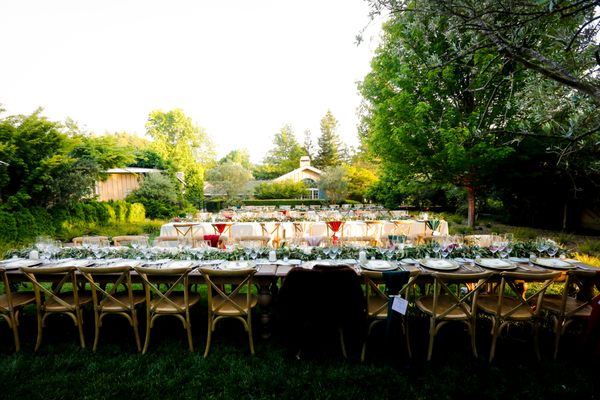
x,y
376,289
332,292
361,241
102,241
241,280
451,285
59,276
253,240
105,283
177,278
7,292
166,241
531,300
128,239
582,282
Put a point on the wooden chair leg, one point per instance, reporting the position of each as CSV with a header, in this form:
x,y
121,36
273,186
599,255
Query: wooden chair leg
x,y
431,338
209,336
188,328
40,322
495,334
342,342
473,339
136,332
97,331
250,340
14,325
147,339
79,316
557,334
405,329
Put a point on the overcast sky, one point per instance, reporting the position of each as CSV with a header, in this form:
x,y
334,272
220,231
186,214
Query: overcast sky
x,y
240,69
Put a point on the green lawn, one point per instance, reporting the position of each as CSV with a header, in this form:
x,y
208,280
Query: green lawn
x,y
62,370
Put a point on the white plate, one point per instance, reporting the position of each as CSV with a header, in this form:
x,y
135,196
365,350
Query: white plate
x,y
555,263
237,265
379,265
496,263
439,264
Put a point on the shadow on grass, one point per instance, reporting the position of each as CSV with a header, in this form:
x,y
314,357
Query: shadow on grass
x,y
61,369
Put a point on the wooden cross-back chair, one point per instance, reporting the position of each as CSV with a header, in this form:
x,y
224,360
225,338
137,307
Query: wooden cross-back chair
x,y
378,302
449,302
169,301
129,239
11,304
509,304
237,303
54,300
102,241
112,293
574,304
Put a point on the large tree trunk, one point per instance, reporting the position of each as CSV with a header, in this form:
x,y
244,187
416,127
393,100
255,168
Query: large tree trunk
x,y
471,209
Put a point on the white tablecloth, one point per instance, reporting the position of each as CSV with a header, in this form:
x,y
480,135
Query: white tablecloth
x,y
309,228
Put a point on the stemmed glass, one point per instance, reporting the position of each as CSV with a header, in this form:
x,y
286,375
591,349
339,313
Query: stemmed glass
x,y
541,245
436,247
552,249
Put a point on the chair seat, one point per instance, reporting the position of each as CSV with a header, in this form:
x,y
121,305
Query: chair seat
x,y
18,299
110,305
54,306
489,304
228,309
445,302
553,304
163,307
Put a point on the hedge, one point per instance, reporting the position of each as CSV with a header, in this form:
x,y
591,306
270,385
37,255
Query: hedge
x,y
23,225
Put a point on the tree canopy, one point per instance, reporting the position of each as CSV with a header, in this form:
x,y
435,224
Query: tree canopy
x,y
178,139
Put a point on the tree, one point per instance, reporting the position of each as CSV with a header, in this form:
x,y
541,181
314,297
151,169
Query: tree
x,y
176,138
557,39
231,178
437,122
308,145
333,184
329,142
238,156
285,154
158,194
47,168
359,179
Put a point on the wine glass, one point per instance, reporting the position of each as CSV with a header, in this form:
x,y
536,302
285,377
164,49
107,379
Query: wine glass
x,y
552,249
436,247
541,245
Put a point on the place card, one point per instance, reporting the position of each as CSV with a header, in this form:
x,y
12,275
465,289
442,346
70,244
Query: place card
x,y
399,305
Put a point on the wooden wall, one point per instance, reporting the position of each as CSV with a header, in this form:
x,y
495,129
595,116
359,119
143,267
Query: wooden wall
x,y
117,186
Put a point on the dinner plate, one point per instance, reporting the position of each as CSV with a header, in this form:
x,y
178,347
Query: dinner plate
x,y
379,265
554,263
18,263
439,264
233,265
496,263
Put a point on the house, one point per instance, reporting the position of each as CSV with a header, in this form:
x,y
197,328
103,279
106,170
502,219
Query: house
x,y
306,173
121,182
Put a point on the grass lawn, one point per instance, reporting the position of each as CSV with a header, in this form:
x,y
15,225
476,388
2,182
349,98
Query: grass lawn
x,y
60,369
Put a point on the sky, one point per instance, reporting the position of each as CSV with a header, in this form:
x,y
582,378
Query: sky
x,y
239,69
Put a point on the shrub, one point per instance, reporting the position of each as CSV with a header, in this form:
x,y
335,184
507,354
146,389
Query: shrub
x,y
280,190
158,195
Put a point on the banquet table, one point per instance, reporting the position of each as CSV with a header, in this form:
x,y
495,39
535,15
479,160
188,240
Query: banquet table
x,y
269,273
289,229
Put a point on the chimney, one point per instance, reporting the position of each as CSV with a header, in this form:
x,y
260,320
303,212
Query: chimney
x,y
304,161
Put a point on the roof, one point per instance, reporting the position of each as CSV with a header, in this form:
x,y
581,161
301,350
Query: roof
x,y
291,174
132,170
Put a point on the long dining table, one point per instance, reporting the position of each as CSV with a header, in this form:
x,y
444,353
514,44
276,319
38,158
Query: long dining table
x,y
295,229
269,273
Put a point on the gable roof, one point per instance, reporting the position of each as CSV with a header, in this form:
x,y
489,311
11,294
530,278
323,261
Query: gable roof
x,y
291,174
